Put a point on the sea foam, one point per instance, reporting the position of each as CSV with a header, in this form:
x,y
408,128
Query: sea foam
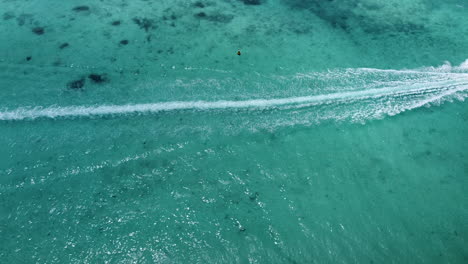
x,y
383,91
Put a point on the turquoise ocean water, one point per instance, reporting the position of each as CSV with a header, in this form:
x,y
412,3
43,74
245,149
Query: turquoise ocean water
x,y
132,132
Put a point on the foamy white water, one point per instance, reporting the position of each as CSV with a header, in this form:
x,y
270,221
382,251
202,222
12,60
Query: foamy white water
x,y
378,95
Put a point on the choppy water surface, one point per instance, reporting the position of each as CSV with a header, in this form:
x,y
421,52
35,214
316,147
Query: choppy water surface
x,y
132,132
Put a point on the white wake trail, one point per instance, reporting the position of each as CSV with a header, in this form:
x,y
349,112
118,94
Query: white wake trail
x,y
405,93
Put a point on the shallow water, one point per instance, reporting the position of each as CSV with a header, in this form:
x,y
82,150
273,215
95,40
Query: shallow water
x,y
131,132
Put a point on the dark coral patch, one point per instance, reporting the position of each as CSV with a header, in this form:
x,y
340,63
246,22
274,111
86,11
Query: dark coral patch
x,y
38,30
220,18
64,45
144,23
252,2
98,78
199,4
77,84
201,14
81,8
24,19
340,15
8,16
116,23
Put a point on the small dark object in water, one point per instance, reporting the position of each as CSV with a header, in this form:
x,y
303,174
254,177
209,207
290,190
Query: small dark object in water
x,y
238,52
81,8
78,84
124,42
28,58
64,45
116,23
97,78
38,30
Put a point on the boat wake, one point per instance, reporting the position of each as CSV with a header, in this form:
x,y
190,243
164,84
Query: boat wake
x,y
355,94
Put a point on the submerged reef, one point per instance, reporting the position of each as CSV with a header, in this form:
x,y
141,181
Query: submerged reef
x,y
144,23
81,8
252,2
371,16
199,4
76,84
25,19
215,17
38,30
64,45
8,15
98,78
